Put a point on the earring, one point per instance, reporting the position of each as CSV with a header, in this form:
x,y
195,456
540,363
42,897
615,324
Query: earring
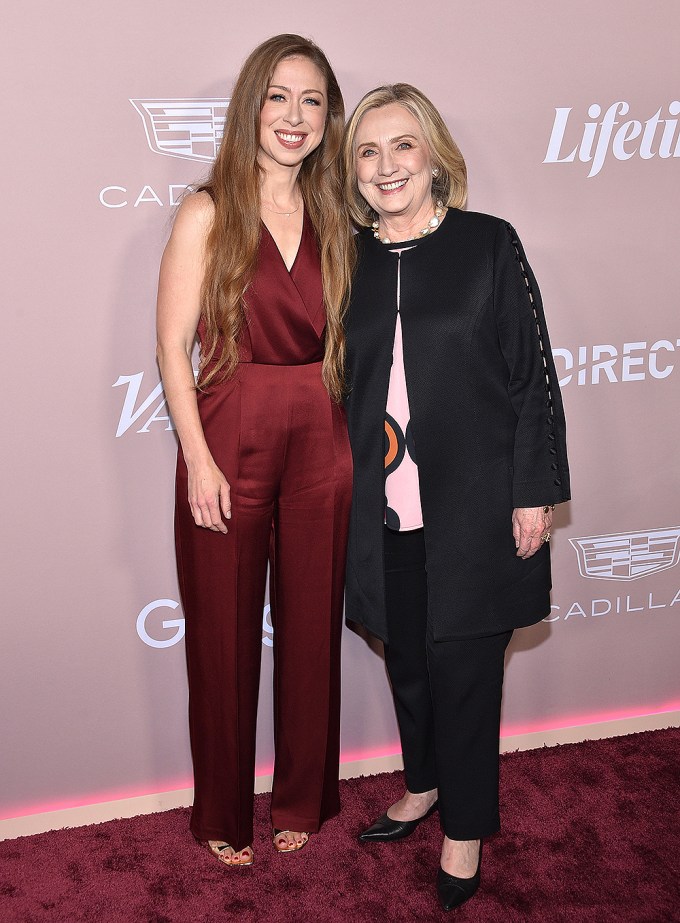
x,y
435,172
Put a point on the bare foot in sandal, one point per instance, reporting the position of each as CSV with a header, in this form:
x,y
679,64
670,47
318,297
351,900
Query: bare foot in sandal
x,y
289,840
227,855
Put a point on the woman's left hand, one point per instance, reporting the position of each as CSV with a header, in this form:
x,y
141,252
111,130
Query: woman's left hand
x,y
530,526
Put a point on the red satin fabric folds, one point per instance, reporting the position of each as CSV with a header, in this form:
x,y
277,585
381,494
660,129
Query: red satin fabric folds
x,y
282,445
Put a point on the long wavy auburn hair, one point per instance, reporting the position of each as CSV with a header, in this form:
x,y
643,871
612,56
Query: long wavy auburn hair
x,y
233,240
450,184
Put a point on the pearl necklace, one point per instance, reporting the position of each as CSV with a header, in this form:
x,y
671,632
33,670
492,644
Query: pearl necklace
x,y
432,224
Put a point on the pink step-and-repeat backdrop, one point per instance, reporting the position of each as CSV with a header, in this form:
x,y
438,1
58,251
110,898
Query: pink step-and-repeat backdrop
x,y
568,115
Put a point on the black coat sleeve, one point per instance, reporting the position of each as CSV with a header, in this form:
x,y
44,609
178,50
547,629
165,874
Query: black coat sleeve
x,y
540,468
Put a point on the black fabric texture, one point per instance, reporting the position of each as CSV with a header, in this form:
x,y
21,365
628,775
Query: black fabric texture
x,y
487,420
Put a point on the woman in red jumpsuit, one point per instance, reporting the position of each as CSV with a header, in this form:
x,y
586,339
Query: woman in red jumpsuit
x,y
257,267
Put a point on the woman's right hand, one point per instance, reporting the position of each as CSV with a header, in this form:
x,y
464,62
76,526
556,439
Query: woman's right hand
x,y
179,308
209,497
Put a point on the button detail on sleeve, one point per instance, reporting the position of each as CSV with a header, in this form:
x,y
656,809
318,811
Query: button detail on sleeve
x,y
550,419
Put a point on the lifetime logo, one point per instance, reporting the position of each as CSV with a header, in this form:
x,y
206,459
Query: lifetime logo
x,y
657,136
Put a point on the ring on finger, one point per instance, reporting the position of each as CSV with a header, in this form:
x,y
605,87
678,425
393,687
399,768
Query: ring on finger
x,y
546,537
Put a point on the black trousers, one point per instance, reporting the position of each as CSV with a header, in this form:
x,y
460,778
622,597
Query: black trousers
x,y
447,697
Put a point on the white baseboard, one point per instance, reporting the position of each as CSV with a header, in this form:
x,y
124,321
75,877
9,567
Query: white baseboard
x,y
163,801
597,731
97,813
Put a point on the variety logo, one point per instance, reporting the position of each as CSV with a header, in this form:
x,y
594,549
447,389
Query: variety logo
x,y
656,136
148,626
592,365
151,409
188,128
627,555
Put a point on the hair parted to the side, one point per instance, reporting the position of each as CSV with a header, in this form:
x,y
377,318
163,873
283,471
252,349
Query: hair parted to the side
x,y
234,186
449,186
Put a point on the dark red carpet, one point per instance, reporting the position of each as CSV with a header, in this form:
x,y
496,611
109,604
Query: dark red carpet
x,y
590,833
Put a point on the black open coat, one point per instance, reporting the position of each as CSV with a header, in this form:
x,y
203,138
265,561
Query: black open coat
x,y
486,415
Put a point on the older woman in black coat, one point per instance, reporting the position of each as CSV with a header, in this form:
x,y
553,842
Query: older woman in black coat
x,y
458,438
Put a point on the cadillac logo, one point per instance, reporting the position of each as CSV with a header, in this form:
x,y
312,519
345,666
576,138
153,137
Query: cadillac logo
x,y
627,555
187,128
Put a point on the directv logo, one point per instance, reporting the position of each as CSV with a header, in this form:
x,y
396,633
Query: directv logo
x,y
188,128
628,555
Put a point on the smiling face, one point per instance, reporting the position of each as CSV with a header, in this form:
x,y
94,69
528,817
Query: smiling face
x,y
393,163
293,116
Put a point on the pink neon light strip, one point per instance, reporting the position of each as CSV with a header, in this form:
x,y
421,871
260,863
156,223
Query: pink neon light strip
x,y
557,724
347,757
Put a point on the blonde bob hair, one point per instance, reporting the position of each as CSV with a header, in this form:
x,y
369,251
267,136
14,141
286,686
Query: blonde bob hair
x,y
449,186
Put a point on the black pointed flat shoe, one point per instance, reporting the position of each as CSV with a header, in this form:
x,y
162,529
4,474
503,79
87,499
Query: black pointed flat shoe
x,y
386,830
453,891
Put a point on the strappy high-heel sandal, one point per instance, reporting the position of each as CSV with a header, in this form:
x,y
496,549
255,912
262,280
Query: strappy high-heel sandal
x,y
287,847
218,849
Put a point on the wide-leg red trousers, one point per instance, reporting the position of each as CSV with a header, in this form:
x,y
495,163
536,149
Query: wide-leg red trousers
x,y
282,445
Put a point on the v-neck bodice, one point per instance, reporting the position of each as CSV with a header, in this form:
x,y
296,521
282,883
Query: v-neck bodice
x,y
285,315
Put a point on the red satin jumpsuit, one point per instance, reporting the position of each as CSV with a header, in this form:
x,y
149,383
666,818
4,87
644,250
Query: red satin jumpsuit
x,y
282,445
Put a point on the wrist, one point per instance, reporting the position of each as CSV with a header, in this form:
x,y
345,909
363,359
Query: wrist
x,y
198,460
